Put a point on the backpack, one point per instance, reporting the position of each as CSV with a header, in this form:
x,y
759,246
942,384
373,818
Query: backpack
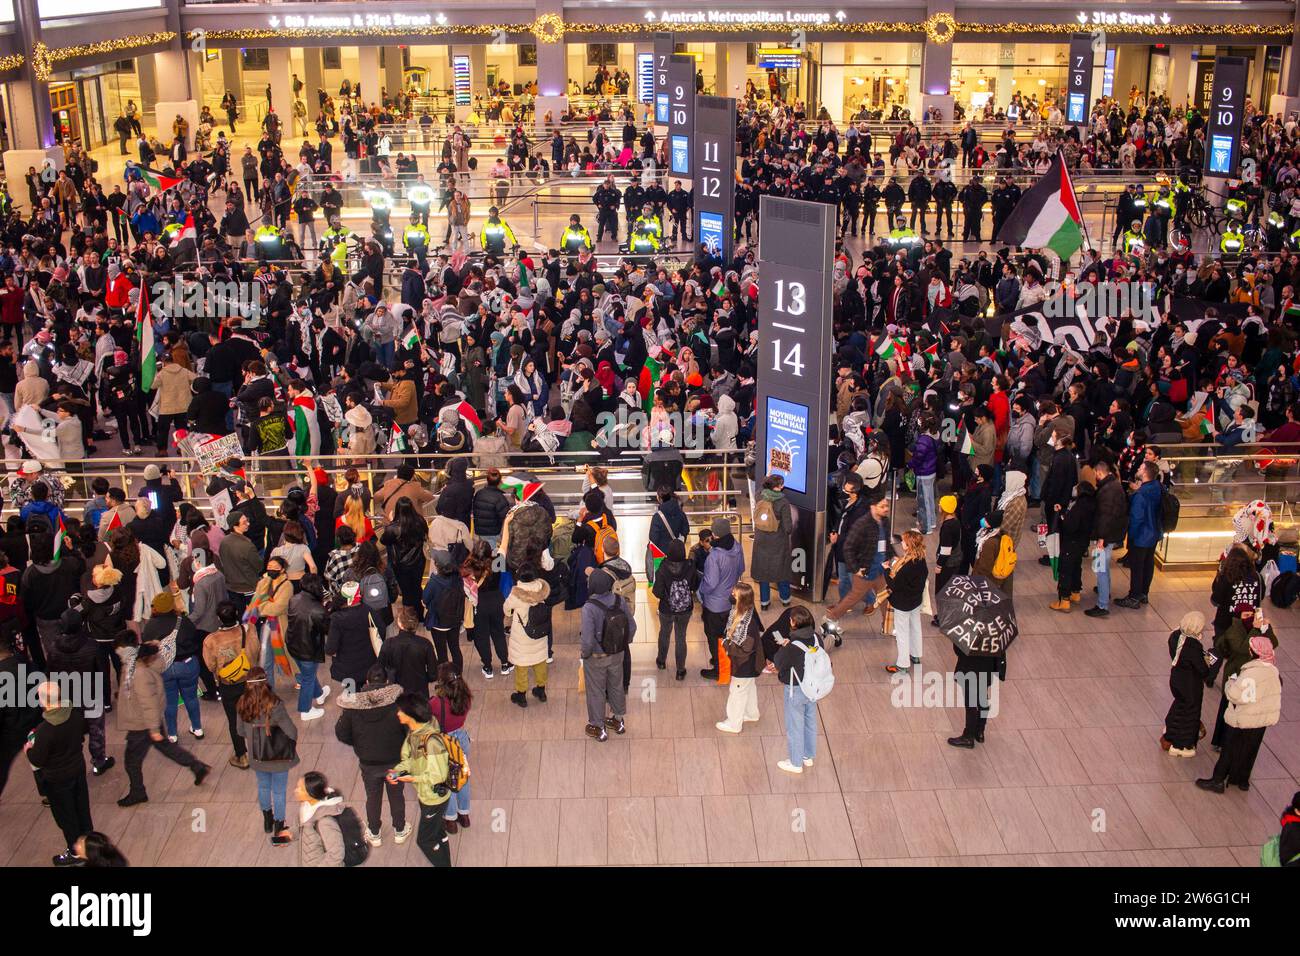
x,y
1284,590
1005,563
604,533
624,587
1270,854
1169,508
680,597
562,539
817,676
615,628
765,518
355,849
537,623
457,762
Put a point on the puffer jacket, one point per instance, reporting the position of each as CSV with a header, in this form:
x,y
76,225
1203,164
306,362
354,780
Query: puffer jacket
x,y
862,543
1112,511
368,724
1254,696
490,509
524,650
321,841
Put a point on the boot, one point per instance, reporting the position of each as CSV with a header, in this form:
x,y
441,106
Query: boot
x,y
241,762
520,698
267,821
540,693
1076,597
1061,604
281,836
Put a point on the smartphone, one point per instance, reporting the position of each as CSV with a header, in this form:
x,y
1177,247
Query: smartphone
x,y
153,500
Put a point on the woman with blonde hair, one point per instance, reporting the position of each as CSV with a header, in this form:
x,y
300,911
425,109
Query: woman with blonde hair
x,y
354,516
906,577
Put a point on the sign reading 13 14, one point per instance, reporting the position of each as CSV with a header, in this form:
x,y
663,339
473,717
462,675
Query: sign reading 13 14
x,y
795,300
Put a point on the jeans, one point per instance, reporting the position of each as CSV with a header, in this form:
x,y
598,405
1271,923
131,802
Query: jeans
x,y
431,837
800,725
765,591
182,679
604,676
925,508
1142,567
374,780
384,353
669,623
843,579
272,791
309,687
742,702
1035,478
458,802
907,636
1103,577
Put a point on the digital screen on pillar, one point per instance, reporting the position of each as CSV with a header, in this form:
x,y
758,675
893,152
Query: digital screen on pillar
x,y
787,442
680,161
1221,154
711,232
661,108
1077,108
645,77
1108,74
460,79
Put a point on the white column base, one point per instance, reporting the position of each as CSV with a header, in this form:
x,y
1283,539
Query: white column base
x,y
16,163
555,105
165,112
1283,105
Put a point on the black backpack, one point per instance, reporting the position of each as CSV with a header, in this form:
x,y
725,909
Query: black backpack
x,y
538,621
1169,508
615,629
355,849
1285,589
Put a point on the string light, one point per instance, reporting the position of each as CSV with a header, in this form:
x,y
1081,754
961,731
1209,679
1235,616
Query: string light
x,y
11,62
45,59
323,33
940,27
548,28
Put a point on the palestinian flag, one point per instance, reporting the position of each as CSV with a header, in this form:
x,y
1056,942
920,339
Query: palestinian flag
x,y
889,348
932,353
525,286
306,427
1206,428
656,559
647,382
58,542
521,486
1047,215
470,417
411,340
159,182
144,338
967,446
719,289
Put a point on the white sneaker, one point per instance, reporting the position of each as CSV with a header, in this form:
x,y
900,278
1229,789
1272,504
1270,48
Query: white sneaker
x,y
197,734
314,714
788,767
726,729
402,835
1176,752
171,738
374,839
807,761
325,692
507,669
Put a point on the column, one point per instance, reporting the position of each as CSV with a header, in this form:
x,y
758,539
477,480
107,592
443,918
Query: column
x,y
32,132
731,69
282,88
1006,73
1180,74
832,80
936,69
313,76
369,74
232,74
146,73
478,69
393,70
552,71
171,76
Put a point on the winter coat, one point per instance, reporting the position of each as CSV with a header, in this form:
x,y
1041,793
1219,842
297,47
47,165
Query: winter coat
x,y
57,749
722,569
669,572
1233,645
207,591
368,724
1112,512
1144,526
906,584
772,555
409,661
1187,684
258,736
1078,523
241,563
861,545
925,456
490,509
348,644
1255,696
984,441
172,384
140,704
308,625
746,649
320,842
524,650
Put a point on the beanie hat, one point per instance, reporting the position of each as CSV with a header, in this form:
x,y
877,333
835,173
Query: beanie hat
x,y
948,504
163,603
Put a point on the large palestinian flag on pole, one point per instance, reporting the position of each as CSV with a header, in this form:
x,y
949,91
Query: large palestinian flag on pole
x,y
144,336
157,181
1047,216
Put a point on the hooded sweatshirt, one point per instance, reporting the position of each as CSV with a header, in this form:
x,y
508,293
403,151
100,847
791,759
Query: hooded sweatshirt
x,y
722,569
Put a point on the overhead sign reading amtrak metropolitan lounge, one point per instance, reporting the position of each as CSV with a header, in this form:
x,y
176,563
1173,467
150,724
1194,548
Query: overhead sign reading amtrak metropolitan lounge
x,y
757,17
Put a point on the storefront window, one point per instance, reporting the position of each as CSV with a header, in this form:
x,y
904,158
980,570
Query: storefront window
x,y
865,80
992,74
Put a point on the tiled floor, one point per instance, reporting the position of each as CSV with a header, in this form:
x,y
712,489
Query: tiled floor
x,y
1070,775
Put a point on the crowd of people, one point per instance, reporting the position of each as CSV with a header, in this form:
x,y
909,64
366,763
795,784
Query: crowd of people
x,y
438,379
